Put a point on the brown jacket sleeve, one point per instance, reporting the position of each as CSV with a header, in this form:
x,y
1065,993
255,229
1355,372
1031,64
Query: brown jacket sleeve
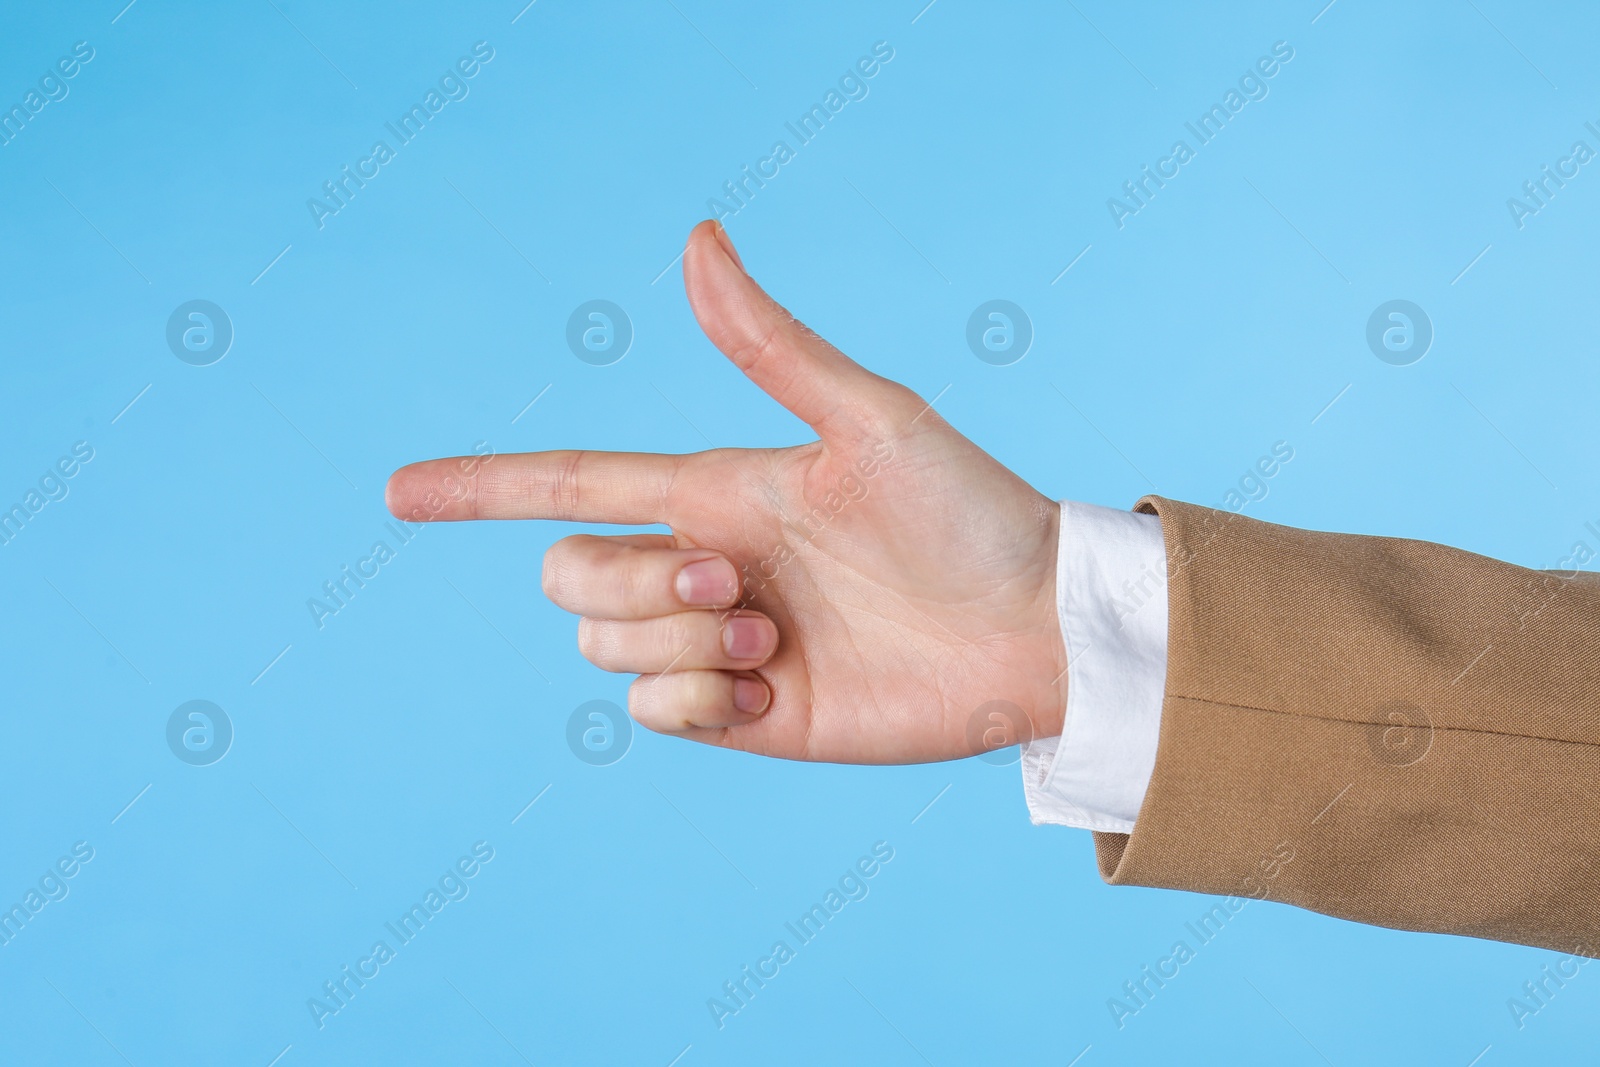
x,y
1384,730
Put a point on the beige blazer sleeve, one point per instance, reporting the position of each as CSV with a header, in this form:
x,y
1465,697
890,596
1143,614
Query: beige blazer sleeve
x,y
1384,730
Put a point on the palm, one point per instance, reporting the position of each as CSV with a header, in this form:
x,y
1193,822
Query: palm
x,y
898,619
910,576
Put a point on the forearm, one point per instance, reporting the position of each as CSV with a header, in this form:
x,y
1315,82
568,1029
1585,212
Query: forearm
x,y
1413,725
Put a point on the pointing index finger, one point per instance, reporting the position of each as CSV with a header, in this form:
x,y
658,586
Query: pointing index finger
x,y
626,488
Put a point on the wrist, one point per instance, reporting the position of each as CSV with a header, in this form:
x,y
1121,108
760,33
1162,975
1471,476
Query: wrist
x,y
1050,670
1047,650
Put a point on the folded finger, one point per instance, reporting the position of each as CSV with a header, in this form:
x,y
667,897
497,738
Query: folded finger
x,y
638,577
684,702
686,641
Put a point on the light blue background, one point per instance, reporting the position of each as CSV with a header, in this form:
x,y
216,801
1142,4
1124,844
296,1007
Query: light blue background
x,y
425,716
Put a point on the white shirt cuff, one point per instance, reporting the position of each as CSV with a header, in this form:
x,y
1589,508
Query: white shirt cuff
x,y
1111,596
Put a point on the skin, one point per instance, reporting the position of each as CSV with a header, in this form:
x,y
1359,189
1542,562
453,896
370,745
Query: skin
x,y
881,629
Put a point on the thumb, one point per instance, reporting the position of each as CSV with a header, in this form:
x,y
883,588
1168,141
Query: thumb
x,y
829,391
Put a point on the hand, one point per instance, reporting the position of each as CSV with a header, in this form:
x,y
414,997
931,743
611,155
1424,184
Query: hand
x,y
855,600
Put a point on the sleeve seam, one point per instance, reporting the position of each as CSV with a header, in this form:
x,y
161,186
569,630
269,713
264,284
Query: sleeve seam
x,y
1364,722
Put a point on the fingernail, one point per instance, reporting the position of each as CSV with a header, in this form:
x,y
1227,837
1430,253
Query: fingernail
x,y
727,246
707,582
750,696
747,637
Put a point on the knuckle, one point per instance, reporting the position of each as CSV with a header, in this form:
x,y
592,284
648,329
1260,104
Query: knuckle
x,y
555,574
891,407
594,642
638,700
764,346
751,349
696,689
566,577
634,581
678,635
670,486
563,487
645,699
